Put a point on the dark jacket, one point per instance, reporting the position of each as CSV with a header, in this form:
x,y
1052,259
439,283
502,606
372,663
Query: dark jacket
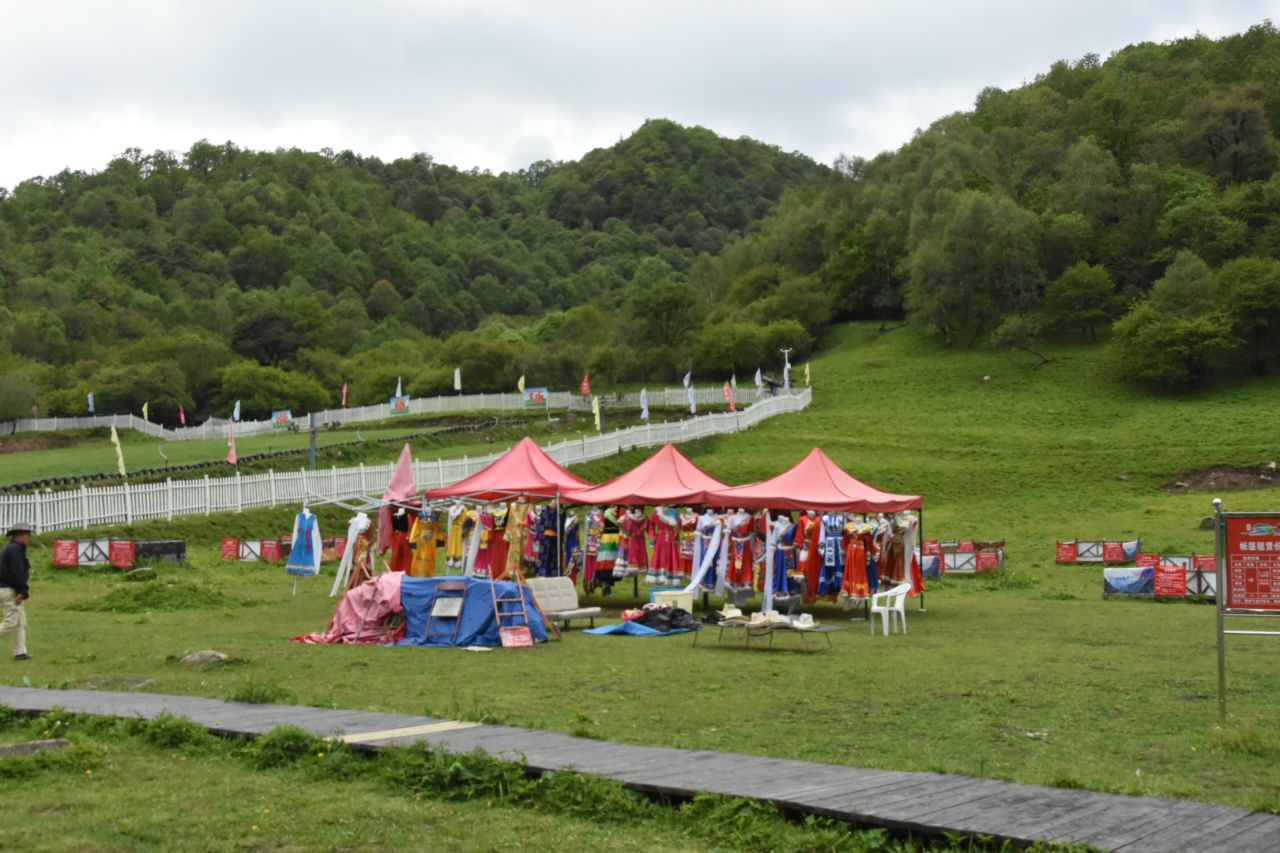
x,y
15,568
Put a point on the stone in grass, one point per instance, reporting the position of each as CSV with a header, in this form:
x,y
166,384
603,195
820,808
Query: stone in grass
x,y
32,746
1206,523
205,657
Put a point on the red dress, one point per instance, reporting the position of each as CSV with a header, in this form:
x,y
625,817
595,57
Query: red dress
x,y
811,565
688,538
742,553
665,566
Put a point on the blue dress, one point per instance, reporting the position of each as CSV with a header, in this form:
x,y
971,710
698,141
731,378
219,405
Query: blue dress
x,y
832,553
303,559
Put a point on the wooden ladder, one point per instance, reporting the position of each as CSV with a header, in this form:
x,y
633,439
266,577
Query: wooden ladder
x,y
516,636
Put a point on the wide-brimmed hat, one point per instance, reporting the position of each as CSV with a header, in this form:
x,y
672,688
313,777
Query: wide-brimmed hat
x,y
20,527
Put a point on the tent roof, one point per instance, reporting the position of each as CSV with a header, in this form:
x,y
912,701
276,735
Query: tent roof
x,y
523,470
666,477
815,482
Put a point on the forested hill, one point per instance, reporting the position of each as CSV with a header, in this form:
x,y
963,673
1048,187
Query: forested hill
x,y
1141,190
276,277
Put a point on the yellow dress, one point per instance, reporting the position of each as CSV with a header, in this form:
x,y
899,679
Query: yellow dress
x,y
516,535
453,541
423,539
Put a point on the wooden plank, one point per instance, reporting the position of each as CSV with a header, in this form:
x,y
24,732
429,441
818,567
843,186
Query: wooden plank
x,y
1249,830
1114,825
412,733
1195,829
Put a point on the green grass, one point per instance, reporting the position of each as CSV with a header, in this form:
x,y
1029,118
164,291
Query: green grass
x,y
1031,677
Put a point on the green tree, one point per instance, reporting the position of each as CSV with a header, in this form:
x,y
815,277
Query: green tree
x,y
268,335
1083,296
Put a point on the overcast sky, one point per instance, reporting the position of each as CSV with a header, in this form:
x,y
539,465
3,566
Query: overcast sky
x,y
503,83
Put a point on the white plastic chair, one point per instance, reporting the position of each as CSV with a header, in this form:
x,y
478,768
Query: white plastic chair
x,y
890,603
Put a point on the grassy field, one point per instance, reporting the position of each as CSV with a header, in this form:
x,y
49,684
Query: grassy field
x,y
1029,676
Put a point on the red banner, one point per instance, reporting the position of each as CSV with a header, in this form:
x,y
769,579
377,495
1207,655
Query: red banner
x,y
986,561
1113,552
1148,561
930,547
121,553
66,552
585,387
1204,563
728,395
270,550
1066,552
968,546
1253,563
230,549
340,546
1171,580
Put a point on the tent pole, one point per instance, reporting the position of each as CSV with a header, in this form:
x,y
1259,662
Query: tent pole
x,y
559,537
920,539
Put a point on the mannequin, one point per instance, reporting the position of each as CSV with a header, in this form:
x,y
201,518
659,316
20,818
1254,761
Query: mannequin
x,y
593,524
688,540
304,556
665,566
810,558
637,545
831,549
422,536
741,549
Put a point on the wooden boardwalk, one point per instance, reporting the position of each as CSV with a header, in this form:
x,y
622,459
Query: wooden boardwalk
x,y
932,804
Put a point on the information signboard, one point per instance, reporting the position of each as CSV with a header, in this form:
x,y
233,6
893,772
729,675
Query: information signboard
x,y
1170,580
1251,561
281,418
399,405
535,398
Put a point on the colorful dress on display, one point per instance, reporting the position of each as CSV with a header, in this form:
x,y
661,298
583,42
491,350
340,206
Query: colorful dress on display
x,y
453,537
531,539
484,554
708,522
516,535
304,556
857,578
831,547
498,543
664,568
572,547
548,530
362,561
422,536
810,557
688,539
741,550
910,532
594,524
784,557
607,558
401,554
634,526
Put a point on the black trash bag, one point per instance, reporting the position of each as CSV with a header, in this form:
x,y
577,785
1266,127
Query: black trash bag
x,y
666,619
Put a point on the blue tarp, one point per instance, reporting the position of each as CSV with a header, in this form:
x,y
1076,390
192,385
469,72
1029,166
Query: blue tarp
x,y
634,629
479,627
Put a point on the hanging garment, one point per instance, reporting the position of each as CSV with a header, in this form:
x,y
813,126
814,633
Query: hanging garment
x,y
831,547
572,548
517,534
784,557
484,550
634,525
304,556
422,536
401,553
688,541
498,543
741,550
531,540
594,526
362,559
610,544
910,528
664,568
810,556
547,557
708,524
453,537
855,583
357,525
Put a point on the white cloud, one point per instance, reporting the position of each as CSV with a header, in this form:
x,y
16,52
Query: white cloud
x,y
500,84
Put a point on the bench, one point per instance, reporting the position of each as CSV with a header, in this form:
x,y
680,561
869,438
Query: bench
x,y
558,600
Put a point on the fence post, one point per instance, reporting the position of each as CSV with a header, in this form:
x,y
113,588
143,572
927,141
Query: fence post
x,y
207,502
271,483
128,504
333,480
84,506
363,487
168,493
40,511
239,497
440,471
466,466
306,490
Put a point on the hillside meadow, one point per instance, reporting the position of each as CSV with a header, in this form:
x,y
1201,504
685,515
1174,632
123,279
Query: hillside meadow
x,y
1028,676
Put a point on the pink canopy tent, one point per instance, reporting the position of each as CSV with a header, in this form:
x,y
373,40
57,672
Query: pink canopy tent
x,y
401,488
814,482
666,477
523,470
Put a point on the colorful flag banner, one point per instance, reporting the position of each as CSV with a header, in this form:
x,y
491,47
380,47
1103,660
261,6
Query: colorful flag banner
x,y
344,395
235,413
182,415
115,442
688,378
644,404
146,416
693,404
733,381
595,410
91,402
231,443
807,380
585,387
520,384
399,388
728,395
457,379
759,382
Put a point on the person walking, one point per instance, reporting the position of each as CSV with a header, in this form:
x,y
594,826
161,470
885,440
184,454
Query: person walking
x,y
15,572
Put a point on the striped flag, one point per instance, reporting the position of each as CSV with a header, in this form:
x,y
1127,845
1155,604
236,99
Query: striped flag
x,y
115,442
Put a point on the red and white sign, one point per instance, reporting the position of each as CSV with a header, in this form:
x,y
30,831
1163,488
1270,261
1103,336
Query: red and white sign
x,y
1170,581
1148,561
66,552
230,549
931,547
517,637
121,553
987,561
270,550
1066,552
1113,552
1252,563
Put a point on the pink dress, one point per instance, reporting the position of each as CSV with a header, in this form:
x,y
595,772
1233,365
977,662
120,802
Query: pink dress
x,y
665,567
637,547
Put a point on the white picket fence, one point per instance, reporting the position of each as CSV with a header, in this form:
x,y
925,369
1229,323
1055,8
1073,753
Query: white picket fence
x,y
125,504
217,427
